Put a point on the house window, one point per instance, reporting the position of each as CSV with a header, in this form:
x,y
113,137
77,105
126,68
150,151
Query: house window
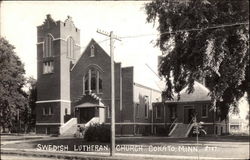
x,y
48,67
44,112
146,106
173,112
158,111
70,47
204,111
48,46
92,51
66,111
92,81
50,110
47,130
108,111
146,110
137,110
47,111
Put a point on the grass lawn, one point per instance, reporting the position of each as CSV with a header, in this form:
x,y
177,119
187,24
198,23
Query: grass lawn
x,y
5,138
223,146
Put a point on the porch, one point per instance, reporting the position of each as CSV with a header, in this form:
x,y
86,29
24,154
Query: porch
x,y
87,110
87,107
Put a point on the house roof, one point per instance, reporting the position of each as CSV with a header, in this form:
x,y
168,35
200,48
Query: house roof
x,y
200,94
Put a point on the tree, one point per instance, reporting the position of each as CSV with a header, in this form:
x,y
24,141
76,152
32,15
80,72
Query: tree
x,y
29,115
204,39
13,99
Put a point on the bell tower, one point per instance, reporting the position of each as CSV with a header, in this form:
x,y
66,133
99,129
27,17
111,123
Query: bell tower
x,y
57,50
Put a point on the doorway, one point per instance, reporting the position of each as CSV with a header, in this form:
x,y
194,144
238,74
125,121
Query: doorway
x,y
173,112
189,113
86,114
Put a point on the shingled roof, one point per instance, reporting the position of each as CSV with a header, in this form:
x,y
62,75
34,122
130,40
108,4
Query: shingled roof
x,y
200,94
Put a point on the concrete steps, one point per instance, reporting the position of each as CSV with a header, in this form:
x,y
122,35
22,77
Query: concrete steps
x,y
70,132
72,129
181,130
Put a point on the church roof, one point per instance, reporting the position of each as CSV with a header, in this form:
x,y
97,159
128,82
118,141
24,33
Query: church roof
x,y
88,100
149,79
200,94
87,105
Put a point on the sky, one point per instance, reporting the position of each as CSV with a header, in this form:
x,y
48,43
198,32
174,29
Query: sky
x,y
19,21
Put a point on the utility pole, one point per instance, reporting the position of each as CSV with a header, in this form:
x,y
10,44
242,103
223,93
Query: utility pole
x,y
112,37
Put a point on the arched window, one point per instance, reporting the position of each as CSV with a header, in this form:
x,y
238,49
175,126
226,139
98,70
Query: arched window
x,y
70,47
92,81
48,46
48,67
92,51
100,84
86,82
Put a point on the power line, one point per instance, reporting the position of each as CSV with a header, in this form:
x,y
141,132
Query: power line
x,y
170,32
65,52
153,71
187,30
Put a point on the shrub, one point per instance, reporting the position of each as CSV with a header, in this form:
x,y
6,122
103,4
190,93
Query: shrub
x,y
146,131
97,132
161,131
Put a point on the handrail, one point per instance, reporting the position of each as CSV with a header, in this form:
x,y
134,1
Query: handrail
x,y
189,127
173,123
190,122
172,130
171,126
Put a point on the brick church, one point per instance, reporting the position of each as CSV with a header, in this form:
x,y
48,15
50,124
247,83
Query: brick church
x,y
74,88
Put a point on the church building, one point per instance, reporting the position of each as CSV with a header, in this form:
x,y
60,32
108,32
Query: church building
x,y
74,88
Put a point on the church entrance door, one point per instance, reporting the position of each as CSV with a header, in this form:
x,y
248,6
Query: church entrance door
x,y
86,114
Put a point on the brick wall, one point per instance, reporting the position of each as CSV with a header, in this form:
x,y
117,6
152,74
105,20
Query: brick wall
x,y
54,88
101,62
127,94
